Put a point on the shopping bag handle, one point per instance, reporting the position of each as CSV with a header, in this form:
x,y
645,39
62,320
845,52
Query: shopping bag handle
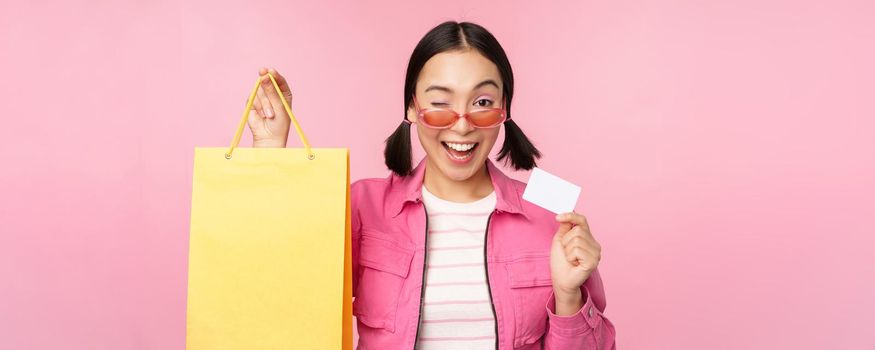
x,y
242,125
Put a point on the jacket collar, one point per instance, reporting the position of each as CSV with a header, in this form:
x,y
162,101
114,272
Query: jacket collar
x,y
409,189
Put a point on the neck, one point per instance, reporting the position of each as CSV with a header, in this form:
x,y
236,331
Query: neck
x,y
471,189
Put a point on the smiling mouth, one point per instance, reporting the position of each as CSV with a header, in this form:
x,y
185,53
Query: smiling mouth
x,y
460,151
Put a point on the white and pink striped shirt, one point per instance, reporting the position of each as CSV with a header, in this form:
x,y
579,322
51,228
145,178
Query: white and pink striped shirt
x,y
457,313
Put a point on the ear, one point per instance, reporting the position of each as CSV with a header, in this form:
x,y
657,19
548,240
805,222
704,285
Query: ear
x,y
411,114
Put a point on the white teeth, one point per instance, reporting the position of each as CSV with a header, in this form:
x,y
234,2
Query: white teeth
x,y
460,158
461,147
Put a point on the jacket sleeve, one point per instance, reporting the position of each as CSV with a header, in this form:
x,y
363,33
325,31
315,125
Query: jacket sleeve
x,y
355,238
588,328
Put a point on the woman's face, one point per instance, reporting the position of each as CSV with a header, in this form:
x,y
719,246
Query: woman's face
x,y
461,81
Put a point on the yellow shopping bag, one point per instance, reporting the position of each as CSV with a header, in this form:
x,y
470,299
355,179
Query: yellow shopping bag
x,y
269,251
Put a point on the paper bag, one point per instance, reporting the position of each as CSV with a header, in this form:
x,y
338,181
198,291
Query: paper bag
x,y
269,248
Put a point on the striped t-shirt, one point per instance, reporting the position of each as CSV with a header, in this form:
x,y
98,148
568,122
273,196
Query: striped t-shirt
x,y
457,313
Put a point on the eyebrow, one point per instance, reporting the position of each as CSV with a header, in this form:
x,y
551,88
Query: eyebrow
x,y
448,90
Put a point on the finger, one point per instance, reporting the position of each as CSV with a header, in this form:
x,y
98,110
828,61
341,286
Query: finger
x,y
586,234
266,105
587,249
575,255
579,236
281,81
272,96
571,248
256,106
594,244
590,248
557,238
563,228
574,232
574,239
586,259
574,218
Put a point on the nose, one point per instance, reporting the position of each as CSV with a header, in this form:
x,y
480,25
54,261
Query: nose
x,y
462,126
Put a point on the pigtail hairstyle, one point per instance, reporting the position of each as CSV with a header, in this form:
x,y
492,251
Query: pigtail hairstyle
x,y
516,145
398,152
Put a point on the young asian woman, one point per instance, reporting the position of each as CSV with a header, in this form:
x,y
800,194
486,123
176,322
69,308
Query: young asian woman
x,y
446,254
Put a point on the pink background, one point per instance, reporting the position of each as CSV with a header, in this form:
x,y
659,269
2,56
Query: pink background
x,y
725,150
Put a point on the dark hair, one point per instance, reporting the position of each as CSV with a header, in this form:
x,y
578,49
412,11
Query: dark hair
x,y
450,36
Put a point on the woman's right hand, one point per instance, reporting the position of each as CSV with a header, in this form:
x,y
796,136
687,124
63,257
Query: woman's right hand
x,y
268,119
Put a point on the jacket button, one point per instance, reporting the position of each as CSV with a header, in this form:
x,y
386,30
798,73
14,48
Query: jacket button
x,y
590,312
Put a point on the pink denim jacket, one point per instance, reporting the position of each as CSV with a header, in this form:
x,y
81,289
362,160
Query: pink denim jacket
x,y
389,253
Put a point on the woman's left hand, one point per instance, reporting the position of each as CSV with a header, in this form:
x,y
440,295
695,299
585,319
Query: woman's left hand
x,y
574,256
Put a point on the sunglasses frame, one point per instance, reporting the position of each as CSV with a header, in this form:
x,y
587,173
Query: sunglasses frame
x,y
420,113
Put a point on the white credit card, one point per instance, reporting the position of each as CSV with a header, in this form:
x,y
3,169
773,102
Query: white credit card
x,y
550,192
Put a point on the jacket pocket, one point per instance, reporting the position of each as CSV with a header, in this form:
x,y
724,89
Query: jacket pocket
x,y
530,287
384,267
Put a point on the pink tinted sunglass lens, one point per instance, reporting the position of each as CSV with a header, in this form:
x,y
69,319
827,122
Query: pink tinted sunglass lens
x,y
439,118
485,118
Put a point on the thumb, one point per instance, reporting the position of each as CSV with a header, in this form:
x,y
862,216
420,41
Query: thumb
x,y
564,227
557,237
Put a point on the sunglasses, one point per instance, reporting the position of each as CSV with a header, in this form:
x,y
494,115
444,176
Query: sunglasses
x,y
442,118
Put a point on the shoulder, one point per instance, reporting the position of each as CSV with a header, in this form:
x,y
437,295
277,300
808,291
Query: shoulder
x,y
535,216
534,212
369,185
518,186
369,191
364,193
377,186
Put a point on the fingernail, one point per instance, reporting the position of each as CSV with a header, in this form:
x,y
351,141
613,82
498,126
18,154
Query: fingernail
x,y
268,112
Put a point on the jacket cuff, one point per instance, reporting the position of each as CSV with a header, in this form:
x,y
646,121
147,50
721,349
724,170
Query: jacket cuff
x,y
584,320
